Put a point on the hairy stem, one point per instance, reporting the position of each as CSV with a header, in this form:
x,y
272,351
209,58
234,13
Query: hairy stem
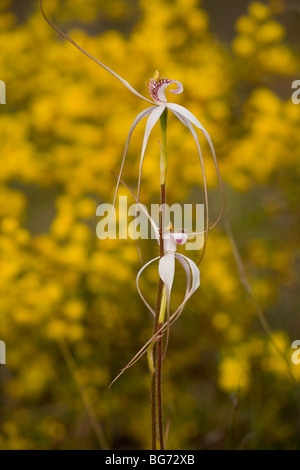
x,y
159,394
156,395
156,403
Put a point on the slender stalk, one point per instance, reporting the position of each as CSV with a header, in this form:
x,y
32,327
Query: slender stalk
x,y
154,388
258,308
69,360
153,408
159,394
156,395
164,156
156,404
159,341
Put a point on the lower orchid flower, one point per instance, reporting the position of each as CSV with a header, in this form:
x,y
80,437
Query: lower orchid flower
x,y
166,269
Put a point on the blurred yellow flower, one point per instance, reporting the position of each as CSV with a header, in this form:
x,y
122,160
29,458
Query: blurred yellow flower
x,y
259,11
60,140
234,374
243,46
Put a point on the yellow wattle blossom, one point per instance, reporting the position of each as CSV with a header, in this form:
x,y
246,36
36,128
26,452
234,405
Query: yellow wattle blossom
x,y
246,25
234,375
259,11
244,46
62,132
270,32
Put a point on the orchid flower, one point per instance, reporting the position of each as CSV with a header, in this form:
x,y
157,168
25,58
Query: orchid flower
x,y
169,240
166,272
166,269
167,262
157,87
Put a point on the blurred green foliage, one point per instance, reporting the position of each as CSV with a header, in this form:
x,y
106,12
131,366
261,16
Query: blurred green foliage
x,y
70,313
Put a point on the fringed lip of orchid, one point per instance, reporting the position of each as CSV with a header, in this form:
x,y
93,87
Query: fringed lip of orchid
x,y
172,239
157,87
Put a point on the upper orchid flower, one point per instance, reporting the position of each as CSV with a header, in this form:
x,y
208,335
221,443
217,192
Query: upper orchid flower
x,y
157,87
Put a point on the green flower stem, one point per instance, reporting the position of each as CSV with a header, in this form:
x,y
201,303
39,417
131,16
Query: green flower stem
x,y
163,306
164,156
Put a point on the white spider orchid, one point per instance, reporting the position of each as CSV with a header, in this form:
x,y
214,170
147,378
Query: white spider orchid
x,y
166,265
166,269
157,87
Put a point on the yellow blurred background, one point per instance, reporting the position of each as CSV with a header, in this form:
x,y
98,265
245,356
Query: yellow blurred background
x,y
70,314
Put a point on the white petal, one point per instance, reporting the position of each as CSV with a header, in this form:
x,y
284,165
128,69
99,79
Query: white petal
x,y
187,123
185,113
169,242
133,126
195,274
189,266
166,270
138,287
185,265
151,121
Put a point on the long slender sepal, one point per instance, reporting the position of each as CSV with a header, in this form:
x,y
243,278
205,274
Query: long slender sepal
x,y
151,121
185,113
187,123
109,70
138,287
133,126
